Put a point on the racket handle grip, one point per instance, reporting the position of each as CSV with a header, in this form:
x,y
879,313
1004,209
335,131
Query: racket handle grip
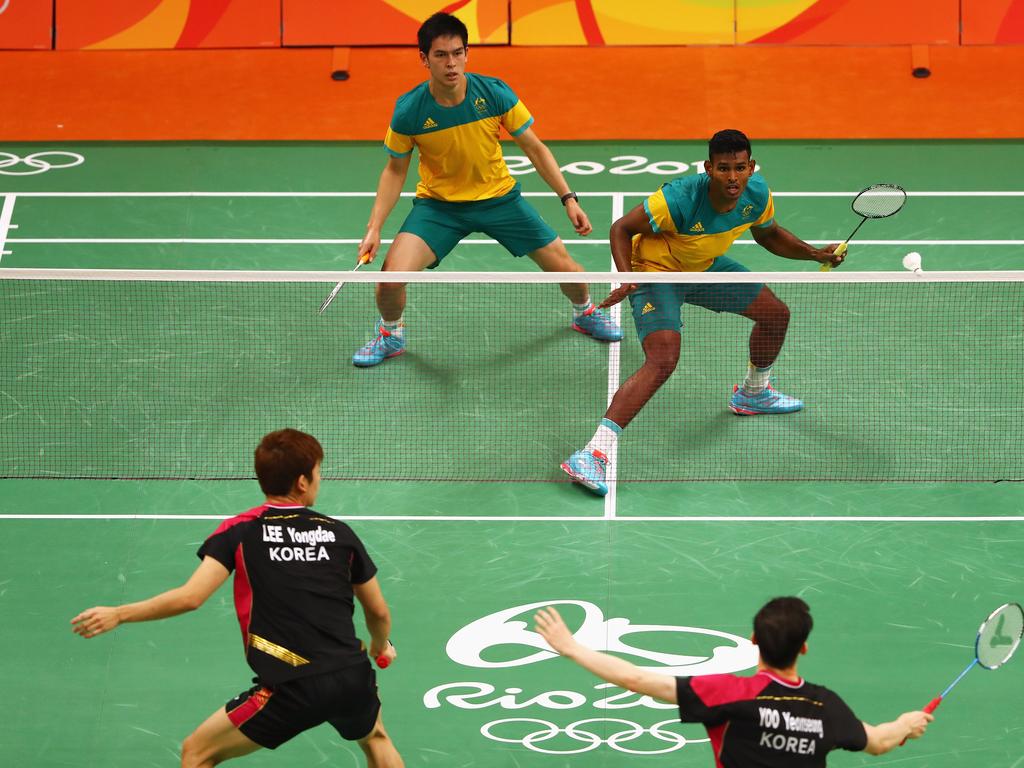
x,y
839,251
928,708
383,661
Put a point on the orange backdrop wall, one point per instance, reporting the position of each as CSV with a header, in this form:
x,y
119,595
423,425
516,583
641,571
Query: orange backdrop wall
x,y
999,22
26,24
166,24
387,22
157,24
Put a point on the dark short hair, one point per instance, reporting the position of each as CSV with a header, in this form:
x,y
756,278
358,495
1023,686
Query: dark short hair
x,y
728,142
284,456
781,628
441,25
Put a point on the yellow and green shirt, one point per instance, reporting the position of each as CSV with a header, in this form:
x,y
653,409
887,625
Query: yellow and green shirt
x,y
460,156
688,233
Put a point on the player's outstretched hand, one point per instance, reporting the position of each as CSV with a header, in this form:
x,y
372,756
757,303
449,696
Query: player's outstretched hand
x,y
95,621
617,295
917,722
579,219
551,627
369,246
828,256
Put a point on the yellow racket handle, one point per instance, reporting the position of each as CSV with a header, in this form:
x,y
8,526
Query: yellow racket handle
x,y
839,251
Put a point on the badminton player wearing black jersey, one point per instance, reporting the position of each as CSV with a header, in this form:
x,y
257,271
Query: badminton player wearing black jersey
x,y
772,719
297,574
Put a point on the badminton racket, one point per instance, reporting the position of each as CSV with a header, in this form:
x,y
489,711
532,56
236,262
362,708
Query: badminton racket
x,y
334,291
879,201
998,638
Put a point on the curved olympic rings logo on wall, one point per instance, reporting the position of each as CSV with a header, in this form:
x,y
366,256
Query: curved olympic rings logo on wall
x,y
590,739
38,162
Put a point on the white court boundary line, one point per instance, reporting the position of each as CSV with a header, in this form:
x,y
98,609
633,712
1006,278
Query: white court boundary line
x,y
318,276
355,241
641,193
570,519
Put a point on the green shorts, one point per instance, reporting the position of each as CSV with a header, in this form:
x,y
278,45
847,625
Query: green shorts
x,y
509,219
657,306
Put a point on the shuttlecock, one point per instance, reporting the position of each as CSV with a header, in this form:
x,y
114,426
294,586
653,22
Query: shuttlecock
x,y
912,261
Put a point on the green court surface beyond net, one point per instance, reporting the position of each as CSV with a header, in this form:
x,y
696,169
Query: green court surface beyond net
x,y
144,379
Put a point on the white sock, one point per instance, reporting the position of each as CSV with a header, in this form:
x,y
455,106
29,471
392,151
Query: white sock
x,y
605,438
396,328
581,309
756,379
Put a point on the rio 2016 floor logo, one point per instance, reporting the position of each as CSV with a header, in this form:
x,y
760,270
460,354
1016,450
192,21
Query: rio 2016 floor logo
x,y
508,628
620,165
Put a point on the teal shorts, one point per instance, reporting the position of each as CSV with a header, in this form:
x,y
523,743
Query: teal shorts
x,y
509,219
658,306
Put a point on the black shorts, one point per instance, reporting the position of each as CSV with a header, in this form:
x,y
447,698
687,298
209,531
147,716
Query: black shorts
x,y
346,698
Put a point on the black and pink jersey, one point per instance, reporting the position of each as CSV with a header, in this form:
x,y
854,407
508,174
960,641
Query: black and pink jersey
x,y
294,571
767,722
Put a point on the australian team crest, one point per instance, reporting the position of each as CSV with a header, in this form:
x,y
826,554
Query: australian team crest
x,y
480,103
746,210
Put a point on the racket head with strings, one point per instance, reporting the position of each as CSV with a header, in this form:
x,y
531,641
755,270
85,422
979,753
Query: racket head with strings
x,y
879,201
999,636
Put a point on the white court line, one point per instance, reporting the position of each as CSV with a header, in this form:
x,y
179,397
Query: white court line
x,y
6,213
614,358
568,519
642,193
355,241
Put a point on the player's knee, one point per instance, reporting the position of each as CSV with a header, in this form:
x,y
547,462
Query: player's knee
x,y
389,289
191,753
774,314
663,358
782,315
378,747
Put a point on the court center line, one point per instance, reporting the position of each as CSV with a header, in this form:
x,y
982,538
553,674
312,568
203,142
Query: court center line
x,y
6,214
614,361
570,519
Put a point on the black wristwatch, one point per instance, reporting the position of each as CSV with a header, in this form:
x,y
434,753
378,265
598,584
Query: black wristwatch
x,y
569,195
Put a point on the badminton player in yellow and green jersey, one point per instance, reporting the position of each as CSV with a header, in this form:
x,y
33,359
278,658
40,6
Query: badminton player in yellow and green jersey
x,y
454,120
687,226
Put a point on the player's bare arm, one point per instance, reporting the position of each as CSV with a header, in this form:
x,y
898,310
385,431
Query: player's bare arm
x,y
378,618
204,582
547,167
784,243
884,737
389,190
615,671
620,238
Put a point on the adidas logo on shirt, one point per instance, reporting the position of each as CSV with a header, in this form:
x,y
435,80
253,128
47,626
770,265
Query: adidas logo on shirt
x,y
698,227
429,123
648,307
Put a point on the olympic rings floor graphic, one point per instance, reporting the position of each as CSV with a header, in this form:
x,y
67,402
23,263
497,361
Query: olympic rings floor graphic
x,y
591,740
37,162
